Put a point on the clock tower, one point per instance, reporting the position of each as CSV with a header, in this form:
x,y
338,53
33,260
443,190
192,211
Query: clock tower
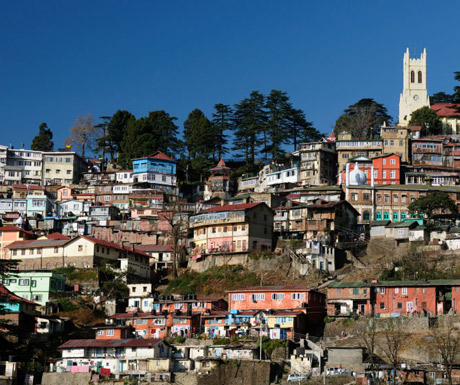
x,y
415,94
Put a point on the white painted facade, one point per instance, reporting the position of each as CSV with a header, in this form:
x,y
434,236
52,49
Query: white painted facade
x,y
290,175
415,93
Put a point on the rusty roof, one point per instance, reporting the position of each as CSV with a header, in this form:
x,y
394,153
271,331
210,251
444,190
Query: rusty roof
x,y
128,342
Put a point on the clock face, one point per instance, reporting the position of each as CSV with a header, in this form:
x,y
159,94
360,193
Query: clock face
x,y
415,97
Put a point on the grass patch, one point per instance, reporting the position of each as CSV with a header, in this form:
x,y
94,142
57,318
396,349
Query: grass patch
x,y
265,254
74,274
217,279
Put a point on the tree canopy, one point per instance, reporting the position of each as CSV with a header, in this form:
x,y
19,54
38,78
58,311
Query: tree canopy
x,y
143,136
43,142
428,119
433,202
362,119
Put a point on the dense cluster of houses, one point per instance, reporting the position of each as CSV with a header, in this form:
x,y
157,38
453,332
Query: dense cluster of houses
x,y
59,210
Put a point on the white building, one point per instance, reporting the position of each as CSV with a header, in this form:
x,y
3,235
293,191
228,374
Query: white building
x,y
20,166
415,93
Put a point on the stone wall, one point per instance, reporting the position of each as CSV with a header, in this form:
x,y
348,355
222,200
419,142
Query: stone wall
x,y
217,260
66,378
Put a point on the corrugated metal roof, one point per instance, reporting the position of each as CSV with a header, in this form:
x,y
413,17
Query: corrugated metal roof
x,y
271,288
93,343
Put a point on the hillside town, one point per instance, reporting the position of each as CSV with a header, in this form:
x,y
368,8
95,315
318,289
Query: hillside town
x,y
338,259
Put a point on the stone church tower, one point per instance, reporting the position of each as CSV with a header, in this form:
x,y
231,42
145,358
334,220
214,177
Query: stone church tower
x,y
415,93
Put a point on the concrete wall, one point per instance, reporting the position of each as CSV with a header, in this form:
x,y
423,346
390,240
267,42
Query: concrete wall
x,y
66,378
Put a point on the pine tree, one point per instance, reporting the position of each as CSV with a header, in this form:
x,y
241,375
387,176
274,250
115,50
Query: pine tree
x,y
222,122
43,142
250,120
278,108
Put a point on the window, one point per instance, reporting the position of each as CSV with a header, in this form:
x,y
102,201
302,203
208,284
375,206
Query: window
x,y
278,296
380,290
403,198
56,249
366,196
392,142
298,296
280,320
378,216
178,305
395,216
355,291
412,77
238,297
382,305
100,332
419,76
396,290
33,283
258,297
404,290
23,282
80,247
354,196
379,198
366,215
424,290
399,305
393,161
110,333
403,215
384,174
386,216
393,174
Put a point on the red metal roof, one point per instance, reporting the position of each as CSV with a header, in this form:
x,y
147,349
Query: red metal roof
x,y
101,242
220,166
57,236
240,206
272,288
160,155
129,342
8,296
15,228
445,109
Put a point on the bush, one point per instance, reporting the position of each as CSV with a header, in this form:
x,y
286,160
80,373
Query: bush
x,y
67,305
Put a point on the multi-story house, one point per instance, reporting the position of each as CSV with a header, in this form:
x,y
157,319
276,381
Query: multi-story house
x,y
72,207
390,202
282,179
395,298
428,152
219,183
124,176
37,286
23,166
10,234
62,167
104,213
278,300
350,298
382,169
318,163
3,158
120,357
17,311
81,251
396,140
157,170
320,220
348,148
236,228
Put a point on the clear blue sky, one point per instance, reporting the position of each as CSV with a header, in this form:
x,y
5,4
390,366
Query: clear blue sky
x,y
61,59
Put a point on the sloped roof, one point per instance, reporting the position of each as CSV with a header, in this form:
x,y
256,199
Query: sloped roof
x,y
220,166
57,236
157,248
445,109
9,296
160,155
15,228
271,288
37,243
240,206
101,242
129,342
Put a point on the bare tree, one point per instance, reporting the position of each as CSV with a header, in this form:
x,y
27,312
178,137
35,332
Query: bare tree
x,y
367,336
178,227
83,134
446,343
394,339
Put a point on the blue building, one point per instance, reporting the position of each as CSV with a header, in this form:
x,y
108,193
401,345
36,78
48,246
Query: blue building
x,y
158,170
